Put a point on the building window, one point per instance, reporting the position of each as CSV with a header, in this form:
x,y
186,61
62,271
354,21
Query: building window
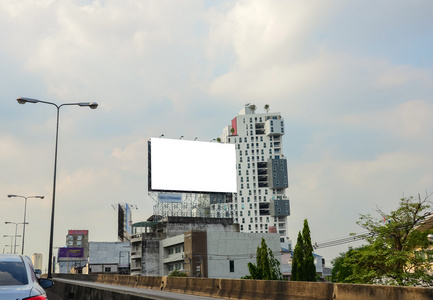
x,y
178,249
107,269
170,251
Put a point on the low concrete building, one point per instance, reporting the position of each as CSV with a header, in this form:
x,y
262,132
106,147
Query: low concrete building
x,y
146,255
108,257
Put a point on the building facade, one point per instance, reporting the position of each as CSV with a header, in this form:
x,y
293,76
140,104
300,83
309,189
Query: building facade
x,y
37,260
73,257
261,204
108,257
147,254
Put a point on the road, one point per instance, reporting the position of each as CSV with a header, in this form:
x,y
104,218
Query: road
x,y
150,294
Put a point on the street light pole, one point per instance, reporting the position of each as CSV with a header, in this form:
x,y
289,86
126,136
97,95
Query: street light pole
x,y
92,105
25,209
16,228
11,245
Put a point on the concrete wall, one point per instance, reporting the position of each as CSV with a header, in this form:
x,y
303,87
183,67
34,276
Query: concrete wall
x,y
239,247
240,289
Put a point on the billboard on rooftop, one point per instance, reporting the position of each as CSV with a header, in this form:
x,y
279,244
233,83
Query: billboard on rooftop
x,y
191,166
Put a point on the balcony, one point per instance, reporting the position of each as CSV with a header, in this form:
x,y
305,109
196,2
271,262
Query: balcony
x,y
136,254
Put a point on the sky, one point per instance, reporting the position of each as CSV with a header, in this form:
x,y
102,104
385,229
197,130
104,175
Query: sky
x,y
353,81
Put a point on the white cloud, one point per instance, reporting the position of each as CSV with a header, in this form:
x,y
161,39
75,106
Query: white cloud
x,y
186,68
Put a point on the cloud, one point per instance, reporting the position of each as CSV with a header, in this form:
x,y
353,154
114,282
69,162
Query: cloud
x,y
352,81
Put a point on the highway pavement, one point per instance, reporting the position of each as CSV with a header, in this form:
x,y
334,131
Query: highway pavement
x,y
141,292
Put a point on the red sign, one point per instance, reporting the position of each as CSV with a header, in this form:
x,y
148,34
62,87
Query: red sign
x,y
78,232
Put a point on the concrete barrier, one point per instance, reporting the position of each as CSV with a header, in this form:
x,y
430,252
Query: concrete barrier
x,y
259,289
274,290
68,291
194,286
377,292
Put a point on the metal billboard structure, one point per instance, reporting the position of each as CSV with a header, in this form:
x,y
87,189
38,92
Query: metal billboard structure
x,y
191,178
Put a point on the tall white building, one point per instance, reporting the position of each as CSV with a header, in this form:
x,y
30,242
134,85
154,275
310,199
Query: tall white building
x,y
261,204
37,260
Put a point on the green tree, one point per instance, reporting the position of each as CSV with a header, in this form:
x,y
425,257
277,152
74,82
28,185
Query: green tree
x,y
266,107
177,273
303,268
252,107
340,271
390,256
267,267
298,270
310,267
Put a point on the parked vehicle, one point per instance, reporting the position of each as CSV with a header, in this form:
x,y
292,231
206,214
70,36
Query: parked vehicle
x,y
18,280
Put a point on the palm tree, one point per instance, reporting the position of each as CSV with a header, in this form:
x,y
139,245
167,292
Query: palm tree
x,y
266,108
252,107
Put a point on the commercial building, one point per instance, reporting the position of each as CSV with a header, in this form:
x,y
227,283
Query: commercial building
x,y
37,260
200,247
261,204
108,257
73,257
146,255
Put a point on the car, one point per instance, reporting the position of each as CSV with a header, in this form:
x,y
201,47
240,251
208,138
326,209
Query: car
x,y
18,280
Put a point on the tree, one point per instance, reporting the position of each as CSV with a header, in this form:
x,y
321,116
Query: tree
x,y
266,108
310,267
267,267
341,271
298,271
177,273
303,268
393,239
252,107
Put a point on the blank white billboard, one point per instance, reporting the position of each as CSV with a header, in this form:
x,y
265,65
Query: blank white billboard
x,y
192,166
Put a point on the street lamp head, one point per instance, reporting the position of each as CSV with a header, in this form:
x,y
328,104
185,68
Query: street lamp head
x,y
10,196
92,105
24,100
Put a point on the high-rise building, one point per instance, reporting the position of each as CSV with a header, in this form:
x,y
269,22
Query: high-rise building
x,y
37,260
261,204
